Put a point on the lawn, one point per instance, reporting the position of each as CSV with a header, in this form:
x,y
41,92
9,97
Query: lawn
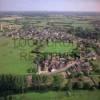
x,y
59,47
75,95
11,59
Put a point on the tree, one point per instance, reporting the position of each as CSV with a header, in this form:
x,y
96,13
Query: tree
x,y
69,85
99,84
78,85
41,82
87,85
10,84
57,82
20,83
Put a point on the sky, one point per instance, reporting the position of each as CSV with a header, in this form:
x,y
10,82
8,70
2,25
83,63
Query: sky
x,y
50,5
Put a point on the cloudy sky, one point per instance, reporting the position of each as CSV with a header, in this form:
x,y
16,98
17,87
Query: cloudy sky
x,y
50,5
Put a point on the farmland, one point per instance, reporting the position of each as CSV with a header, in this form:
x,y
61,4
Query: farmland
x,y
10,57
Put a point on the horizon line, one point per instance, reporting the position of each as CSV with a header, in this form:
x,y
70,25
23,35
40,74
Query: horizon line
x,y
51,11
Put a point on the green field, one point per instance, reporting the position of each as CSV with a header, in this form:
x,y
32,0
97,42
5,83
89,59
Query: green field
x,y
11,61
75,95
59,47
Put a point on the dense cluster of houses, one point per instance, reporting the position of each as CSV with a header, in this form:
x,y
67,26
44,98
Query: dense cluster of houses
x,y
80,66
42,34
4,26
55,63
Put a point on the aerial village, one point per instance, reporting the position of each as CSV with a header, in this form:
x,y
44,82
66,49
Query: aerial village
x,y
57,50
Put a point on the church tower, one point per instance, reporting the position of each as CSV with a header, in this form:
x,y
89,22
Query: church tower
x,y
1,27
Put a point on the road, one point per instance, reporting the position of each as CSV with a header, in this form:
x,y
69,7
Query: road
x,y
61,70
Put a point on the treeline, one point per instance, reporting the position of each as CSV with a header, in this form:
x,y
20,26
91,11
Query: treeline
x,y
13,84
86,33
58,82
47,82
